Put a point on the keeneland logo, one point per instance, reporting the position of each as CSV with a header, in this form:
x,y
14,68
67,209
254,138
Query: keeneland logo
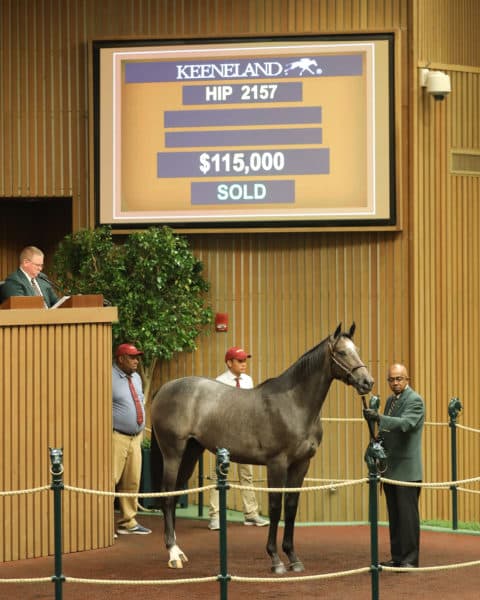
x,y
240,70
302,65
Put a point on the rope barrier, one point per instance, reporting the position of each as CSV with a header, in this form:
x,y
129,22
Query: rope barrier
x,y
300,579
472,563
42,488
467,428
440,484
72,488
27,580
336,483
329,484
461,489
141,581
298,489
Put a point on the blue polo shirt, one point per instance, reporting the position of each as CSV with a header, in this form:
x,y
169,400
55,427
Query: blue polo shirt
x,y
124,412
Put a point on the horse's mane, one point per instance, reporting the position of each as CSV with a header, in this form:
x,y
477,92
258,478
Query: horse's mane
x,y
301,368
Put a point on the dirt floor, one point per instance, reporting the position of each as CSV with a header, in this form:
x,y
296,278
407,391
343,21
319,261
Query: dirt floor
x,y
324,549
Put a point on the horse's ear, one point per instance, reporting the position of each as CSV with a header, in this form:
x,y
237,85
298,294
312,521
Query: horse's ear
x,y
352,330
337,331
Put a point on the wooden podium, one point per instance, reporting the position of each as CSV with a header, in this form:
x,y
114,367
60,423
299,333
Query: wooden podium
x,y
15,302
56,393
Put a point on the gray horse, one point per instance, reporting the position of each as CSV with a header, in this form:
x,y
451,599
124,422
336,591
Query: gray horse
x,y
276,424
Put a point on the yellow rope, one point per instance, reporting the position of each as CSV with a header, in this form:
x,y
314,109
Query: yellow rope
x,y
140,581
300,578
28,580
440,484
29,491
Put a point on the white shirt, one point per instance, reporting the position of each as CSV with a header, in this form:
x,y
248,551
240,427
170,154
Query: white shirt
x,y
246,382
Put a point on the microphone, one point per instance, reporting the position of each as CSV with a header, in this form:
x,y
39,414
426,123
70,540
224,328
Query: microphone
x,y
49,281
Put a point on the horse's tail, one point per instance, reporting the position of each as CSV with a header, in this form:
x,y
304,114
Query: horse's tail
x,y
156,468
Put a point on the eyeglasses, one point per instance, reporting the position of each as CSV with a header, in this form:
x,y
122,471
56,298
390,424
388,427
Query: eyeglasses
x,y
393,379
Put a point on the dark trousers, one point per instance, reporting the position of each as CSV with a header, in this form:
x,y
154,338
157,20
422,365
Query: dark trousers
x,y
404,522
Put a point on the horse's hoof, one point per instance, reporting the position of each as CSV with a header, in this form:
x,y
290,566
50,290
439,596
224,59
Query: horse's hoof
x,y
279,569
175,563
183,557
296,567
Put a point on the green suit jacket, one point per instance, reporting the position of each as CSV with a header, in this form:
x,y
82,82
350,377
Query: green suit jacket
x,y
401,429
17,284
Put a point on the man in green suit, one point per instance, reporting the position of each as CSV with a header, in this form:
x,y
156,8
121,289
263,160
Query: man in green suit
x,y
28,279
401,428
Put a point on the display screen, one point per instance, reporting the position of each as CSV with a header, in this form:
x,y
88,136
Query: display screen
x,y
282,133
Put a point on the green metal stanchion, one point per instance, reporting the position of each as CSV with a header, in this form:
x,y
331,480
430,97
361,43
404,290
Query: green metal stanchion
x,y
222,466
375,458
56,456
200,485
454,407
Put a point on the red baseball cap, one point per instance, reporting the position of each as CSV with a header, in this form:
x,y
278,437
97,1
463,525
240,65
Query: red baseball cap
x,y
236,352
127,349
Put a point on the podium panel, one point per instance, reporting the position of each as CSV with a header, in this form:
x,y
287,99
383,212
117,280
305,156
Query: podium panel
x,y
83,301
56,393
22,302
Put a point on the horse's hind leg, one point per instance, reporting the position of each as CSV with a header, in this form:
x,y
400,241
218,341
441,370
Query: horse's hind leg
x,y
171,465
175,476
168,505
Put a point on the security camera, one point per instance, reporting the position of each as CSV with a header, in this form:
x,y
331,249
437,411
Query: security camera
x,y
438,84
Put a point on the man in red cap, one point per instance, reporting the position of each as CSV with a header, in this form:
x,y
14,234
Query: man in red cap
x,y
236,376
128,426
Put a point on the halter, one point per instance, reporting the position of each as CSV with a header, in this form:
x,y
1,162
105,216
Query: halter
x,y
343,366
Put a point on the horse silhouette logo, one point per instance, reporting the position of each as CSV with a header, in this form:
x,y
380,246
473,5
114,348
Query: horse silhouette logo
x,y
304,65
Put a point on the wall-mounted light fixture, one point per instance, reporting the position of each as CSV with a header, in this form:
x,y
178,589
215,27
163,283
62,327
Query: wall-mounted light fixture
x,y
437,83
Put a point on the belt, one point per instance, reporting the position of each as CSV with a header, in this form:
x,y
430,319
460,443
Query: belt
x,y
125,433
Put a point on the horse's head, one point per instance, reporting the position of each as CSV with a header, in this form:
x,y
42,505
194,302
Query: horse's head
x,y
346,363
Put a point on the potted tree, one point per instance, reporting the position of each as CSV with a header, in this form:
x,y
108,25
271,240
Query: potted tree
x,y
154,280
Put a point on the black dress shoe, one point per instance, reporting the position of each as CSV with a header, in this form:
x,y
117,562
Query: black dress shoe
x,y
390,563
407,566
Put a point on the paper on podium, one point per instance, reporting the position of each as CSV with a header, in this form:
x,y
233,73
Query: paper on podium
x,y
60,302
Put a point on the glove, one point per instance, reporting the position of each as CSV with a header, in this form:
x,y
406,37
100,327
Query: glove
x,y
371,415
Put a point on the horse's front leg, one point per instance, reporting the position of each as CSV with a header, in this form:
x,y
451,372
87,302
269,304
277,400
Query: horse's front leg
x,y
295,476
291,505
274,511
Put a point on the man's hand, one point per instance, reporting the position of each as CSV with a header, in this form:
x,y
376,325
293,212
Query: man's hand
x,y
371,415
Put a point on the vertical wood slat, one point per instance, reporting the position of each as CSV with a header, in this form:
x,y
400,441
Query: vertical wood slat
x,y
46,404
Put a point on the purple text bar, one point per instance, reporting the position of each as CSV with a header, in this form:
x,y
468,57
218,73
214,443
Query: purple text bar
x,y
240,192
254,68
251,163
248,92
243,137
243,116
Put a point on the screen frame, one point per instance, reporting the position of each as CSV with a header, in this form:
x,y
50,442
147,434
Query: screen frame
x,y
391,222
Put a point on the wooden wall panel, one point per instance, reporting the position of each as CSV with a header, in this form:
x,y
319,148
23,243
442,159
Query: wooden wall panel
x,y
413,294
56,391
445,228
447,31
